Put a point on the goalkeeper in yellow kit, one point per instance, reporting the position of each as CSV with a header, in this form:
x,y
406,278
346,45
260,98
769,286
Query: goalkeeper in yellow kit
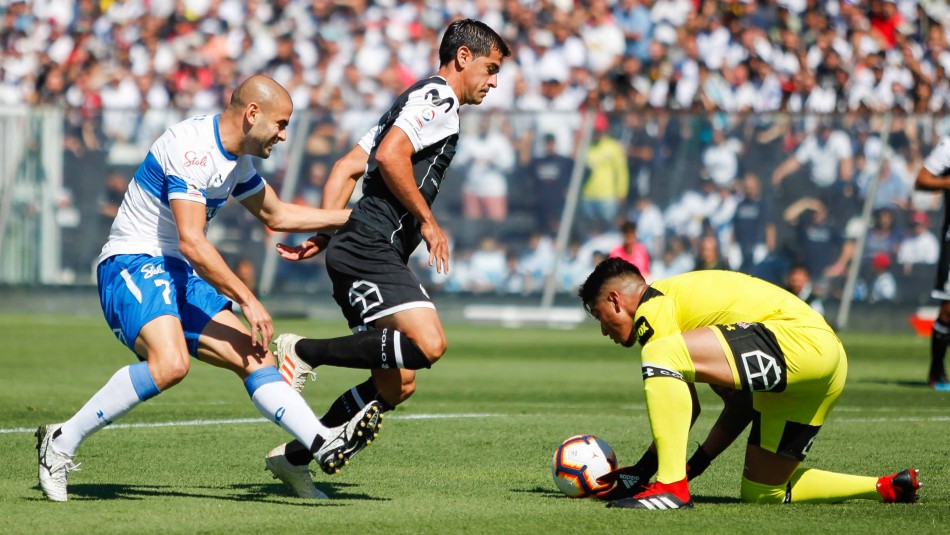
x,y
775,362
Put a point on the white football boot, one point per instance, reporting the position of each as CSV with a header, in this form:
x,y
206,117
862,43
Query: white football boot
x,y
347,440
54,466
292,368
297,477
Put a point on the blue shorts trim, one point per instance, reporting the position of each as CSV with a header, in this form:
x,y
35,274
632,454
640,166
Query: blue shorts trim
x,y
135,289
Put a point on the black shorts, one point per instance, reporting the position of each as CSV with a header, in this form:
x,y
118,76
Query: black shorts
x,y
370,280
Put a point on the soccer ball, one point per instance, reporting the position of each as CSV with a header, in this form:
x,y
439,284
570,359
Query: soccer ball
x,y
577,464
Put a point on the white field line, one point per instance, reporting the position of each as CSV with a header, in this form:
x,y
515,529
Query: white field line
x,y
236,421
437,416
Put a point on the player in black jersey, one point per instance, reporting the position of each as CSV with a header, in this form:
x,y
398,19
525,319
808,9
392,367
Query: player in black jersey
x,y
935,176
403,159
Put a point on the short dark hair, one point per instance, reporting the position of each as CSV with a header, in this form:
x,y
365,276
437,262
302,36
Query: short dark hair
x,y
604,272
474,34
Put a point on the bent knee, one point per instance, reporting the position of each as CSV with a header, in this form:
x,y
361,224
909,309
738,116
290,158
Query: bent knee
x,y
753,492
170,372
432,348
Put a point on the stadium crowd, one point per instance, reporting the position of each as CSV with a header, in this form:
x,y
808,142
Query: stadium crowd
x,y
739,133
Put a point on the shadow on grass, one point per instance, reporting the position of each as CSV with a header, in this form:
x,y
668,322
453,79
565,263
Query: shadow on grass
x,y
264,493
545,492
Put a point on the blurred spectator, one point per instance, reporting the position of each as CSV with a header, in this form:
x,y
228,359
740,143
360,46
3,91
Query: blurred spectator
x,y
827,152
799,283
608,180
752,224
883,237
538,258
488,156
676,259
920,246
883,283
651,228
709,255
721,158
488,266
893,190
632,250
821,246
550,174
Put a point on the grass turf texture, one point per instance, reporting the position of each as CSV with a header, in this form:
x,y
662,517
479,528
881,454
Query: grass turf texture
x,y
515,394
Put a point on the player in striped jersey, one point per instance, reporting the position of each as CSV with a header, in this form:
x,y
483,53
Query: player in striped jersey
x,y
403,160
166,292
934,175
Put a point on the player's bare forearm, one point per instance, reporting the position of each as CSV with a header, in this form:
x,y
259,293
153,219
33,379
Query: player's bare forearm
x,y
288,217
343,177
927,181
297,218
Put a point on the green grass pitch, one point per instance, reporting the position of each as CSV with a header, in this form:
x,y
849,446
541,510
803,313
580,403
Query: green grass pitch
x,y
469,453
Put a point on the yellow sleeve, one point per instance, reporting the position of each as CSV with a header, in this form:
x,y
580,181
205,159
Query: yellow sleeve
x,y
655,317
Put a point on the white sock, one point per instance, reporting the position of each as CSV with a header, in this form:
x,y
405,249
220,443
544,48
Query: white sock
x,y
129,386
283,405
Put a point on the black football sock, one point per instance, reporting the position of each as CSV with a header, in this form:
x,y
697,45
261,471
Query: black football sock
x,y
341,411
382,348
297,454
352,401
938,349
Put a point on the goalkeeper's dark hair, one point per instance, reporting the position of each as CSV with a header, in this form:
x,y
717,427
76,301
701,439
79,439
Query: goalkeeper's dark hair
x,y
474,34
604,272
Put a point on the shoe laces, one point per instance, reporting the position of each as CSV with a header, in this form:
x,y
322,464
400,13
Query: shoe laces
x,y
63,465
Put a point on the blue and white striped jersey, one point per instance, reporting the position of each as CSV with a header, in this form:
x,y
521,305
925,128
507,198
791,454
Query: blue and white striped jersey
x,y
188,162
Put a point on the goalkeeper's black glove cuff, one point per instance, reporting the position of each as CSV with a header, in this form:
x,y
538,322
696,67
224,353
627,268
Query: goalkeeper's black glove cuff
x,y
697,464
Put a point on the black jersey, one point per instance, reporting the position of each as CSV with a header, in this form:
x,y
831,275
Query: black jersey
x,y
428,113
938,163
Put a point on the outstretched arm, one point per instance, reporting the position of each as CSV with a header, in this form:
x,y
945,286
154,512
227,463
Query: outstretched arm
x,y
289,217
337,191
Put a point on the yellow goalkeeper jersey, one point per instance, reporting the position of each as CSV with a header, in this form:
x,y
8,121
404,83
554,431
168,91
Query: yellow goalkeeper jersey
x,y
705,298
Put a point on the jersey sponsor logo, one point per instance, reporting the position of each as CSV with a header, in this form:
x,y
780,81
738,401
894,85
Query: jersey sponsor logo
x,y
436,100
764,372
652,370
644,330
150,270
365,296
192,159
